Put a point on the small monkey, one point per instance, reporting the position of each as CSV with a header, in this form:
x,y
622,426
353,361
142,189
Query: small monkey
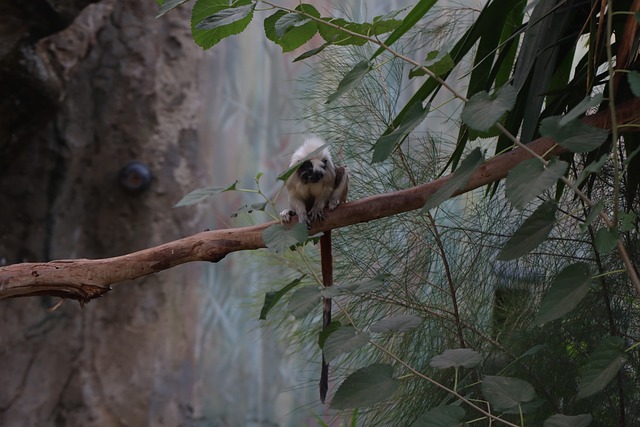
x,y
316,184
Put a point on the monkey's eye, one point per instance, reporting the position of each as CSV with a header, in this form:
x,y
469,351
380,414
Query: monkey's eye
x,y
324,163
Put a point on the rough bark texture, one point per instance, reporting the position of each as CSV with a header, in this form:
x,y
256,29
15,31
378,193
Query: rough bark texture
x,y
101,84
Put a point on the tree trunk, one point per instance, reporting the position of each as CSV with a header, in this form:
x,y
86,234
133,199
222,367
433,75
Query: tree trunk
x,y
109,84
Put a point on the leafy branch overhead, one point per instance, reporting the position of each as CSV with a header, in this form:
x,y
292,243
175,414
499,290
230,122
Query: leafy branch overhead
x,y
214,20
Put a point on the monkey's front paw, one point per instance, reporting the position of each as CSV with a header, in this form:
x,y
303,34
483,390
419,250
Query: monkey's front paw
x,y
333,203
286,215
316,214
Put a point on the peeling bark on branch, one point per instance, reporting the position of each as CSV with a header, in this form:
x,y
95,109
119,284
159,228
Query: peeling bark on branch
x,y
85,279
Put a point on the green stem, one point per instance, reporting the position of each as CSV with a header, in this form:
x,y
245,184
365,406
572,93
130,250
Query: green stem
x,y
521,414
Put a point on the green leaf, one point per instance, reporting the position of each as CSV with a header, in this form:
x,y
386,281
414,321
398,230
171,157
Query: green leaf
x,y
593,213
202,193
311,52
168,5
441,416
634,78
483,110
627,221
476,134
385,145
222,19
560,420
291,30
303,300
441,64
364,287
365,387
531,233
505,392
280,238
350,80
401,323
344,340
333,291
289,21
385,23
575,136
603,364
225,17
324,334
606,239
438,62
389,16
272,298
368,285
249,208
533,350
530,178
539,66
568,288
338,36
593,167
580,109
456,358
526,408
458,180
284,176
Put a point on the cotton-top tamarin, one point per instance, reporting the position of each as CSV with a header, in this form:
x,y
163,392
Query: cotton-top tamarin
x,y
316,184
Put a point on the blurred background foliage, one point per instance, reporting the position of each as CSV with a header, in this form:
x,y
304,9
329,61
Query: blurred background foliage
x,y
441,265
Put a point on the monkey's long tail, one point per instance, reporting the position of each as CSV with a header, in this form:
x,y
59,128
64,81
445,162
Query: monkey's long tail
x,y
326,263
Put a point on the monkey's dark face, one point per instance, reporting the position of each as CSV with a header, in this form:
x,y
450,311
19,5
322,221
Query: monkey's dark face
x,y
312,171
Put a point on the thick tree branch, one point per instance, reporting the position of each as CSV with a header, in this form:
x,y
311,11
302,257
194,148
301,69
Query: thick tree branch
x,y
85,279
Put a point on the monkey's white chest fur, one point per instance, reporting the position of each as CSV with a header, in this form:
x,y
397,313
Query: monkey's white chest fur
x,y
316,184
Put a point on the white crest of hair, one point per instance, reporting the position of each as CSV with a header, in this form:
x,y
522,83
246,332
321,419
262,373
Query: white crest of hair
x,y
310,144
